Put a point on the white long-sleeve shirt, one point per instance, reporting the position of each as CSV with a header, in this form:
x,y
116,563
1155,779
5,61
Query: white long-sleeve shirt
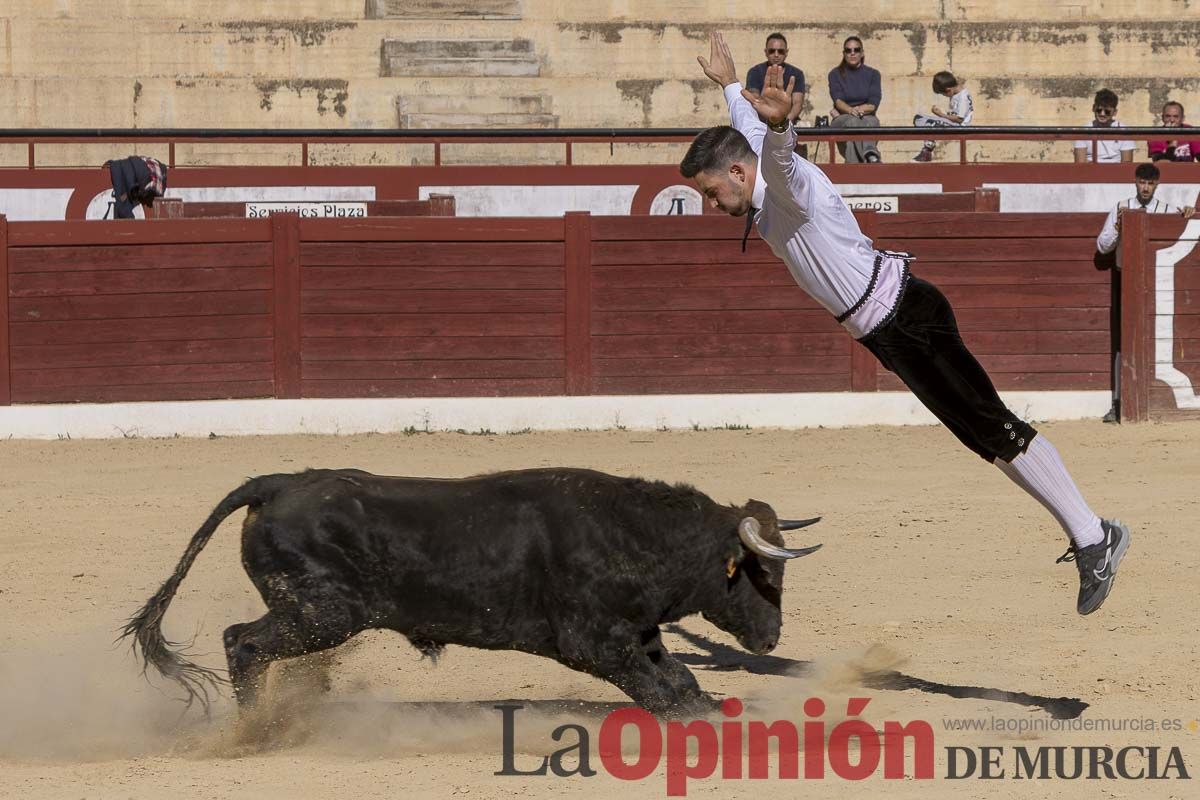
x,y
804,220
1110,237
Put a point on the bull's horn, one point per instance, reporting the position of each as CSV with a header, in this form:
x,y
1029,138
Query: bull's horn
x,y
750,532
797,524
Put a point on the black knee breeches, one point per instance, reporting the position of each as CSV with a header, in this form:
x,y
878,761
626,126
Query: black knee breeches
x,y
922,346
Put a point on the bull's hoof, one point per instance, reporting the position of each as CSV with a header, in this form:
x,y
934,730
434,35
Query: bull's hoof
x,y
428,648
692,706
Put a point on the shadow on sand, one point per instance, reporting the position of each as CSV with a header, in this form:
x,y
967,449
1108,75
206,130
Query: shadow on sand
x,y
722,657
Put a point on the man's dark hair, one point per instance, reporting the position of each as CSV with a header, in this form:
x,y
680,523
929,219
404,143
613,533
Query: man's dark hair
x,y
943,81
715,149
1106,98
776,35
1146,172
1175,103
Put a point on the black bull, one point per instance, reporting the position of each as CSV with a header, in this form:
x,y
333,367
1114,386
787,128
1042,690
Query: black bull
x,y
571,564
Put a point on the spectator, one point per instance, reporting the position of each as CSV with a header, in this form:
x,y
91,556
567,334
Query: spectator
x,y
1108,256
962,109
1174,150
776,51
136,180
856,92
1110,151
1146,178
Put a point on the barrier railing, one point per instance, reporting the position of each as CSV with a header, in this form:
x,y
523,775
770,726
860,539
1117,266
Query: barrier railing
x,y
566,137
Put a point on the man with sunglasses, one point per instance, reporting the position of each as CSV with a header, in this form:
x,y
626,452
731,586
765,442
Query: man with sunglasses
x,y
776,52
750,169
1109,151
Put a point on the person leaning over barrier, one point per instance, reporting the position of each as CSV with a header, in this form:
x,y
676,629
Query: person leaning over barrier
x,y
1145,180
750,169
136,180
1109,257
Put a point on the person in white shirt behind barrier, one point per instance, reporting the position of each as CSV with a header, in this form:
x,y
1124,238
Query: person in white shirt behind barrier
x,y
1145,179
750,169
1109,151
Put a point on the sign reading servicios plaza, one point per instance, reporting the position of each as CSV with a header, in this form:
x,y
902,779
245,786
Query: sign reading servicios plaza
x,y
308,209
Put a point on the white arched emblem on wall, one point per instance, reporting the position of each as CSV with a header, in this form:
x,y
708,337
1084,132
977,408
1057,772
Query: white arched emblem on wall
x,y
1164,317
677,199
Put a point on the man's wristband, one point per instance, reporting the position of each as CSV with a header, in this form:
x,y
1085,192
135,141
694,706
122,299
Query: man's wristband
x,y
780,127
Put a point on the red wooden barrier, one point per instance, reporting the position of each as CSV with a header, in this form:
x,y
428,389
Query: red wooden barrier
x,y
1137,298
5,348
578,303
285,305
1029,302
987,200
678,308
431,306
1171,316
139,310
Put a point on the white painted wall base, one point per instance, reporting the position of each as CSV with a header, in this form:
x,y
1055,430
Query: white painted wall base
x,y
506,414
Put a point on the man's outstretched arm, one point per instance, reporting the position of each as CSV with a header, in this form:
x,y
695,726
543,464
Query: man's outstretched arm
x,y
777,159
720,70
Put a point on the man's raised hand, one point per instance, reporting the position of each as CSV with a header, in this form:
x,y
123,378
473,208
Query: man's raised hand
x,y
719,66
775,101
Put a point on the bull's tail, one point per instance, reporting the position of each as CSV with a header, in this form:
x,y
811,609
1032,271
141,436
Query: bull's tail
x,y
146,625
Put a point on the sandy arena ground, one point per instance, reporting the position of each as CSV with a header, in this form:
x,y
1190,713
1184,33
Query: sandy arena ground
x,y
936,596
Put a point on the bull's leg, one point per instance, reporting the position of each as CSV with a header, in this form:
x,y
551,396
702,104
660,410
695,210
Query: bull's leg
x,y
250,648
619,657
674,671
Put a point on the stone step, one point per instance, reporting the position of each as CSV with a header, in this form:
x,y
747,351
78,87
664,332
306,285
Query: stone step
x,y
443,9
463,67
480,122
462,57
458,48
478,104
136,12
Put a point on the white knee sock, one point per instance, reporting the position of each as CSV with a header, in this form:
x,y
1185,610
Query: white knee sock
x,y
1041,472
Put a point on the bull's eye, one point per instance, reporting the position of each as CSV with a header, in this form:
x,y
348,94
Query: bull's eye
x,y
731,567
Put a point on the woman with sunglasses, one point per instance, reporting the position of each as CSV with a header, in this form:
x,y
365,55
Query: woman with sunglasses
x,y
1109,151
856,92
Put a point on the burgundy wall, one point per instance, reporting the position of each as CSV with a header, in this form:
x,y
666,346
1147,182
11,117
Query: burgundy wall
x,y
407,307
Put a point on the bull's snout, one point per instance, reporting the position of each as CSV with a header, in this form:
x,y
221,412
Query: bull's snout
x,y
759,647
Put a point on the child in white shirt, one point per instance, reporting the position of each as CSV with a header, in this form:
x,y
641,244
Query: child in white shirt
x,y
962,109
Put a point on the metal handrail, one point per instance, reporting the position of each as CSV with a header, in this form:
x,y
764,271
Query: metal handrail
x,y
565,136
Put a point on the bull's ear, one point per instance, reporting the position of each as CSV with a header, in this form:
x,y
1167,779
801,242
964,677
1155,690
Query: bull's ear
x,y
757,508
731,567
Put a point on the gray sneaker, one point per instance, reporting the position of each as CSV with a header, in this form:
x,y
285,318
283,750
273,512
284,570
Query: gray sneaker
x,y
1098,564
